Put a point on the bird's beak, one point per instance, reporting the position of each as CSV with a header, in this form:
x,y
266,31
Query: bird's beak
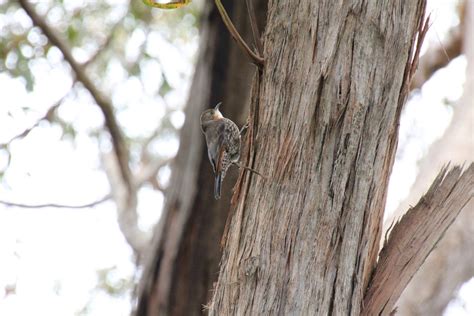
x,y
217,106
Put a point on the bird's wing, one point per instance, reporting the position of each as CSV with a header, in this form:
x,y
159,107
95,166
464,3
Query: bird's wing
x,y
212,160
232,135
220,159
215,144
221,146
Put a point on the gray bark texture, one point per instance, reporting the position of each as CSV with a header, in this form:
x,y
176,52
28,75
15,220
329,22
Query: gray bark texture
x,y
324,122
183,260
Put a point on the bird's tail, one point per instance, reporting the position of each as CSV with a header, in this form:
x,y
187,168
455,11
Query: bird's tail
x,y
217,186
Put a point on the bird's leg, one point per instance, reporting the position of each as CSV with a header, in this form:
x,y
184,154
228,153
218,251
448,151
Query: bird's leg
x,y
244,128
256,58
250,169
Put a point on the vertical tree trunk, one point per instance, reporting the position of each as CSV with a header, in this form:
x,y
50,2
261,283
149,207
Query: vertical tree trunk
x,y
325,113
185,253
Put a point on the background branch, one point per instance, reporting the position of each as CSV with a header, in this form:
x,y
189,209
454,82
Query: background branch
x,y
103,102
47,116
123,186
54,205
126,201
148,172
415,236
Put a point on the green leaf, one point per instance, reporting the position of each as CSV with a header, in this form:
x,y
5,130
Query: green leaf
x,y
72,34
165,87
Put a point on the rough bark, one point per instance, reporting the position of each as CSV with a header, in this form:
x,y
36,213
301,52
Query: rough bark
x,y
451,263
414,237
324,131
185,252
444,271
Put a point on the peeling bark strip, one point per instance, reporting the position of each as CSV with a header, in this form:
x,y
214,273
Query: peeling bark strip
x,y
325,133
450,264
415,235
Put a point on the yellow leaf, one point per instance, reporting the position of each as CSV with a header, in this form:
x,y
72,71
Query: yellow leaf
x,y
169,5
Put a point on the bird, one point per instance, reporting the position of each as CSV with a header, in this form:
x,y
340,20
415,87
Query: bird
x,y
223,144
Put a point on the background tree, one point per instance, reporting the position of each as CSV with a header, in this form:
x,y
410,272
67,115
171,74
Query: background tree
x,y
185,253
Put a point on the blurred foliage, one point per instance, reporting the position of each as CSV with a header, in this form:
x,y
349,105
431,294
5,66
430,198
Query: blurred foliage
x,y
141,58
117,42
113,285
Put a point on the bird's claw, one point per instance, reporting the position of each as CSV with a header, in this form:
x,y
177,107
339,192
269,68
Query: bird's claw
x,y
244,128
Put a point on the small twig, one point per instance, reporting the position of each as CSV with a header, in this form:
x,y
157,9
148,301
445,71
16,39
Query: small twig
x,y
47,116
254,26
88,205
29,129
442,48
439,56
258,60
423,29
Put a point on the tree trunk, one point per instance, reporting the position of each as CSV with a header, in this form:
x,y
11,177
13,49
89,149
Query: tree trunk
x,y
324,123
183,260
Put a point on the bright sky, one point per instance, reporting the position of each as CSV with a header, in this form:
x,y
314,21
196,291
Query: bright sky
x,y
53,255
